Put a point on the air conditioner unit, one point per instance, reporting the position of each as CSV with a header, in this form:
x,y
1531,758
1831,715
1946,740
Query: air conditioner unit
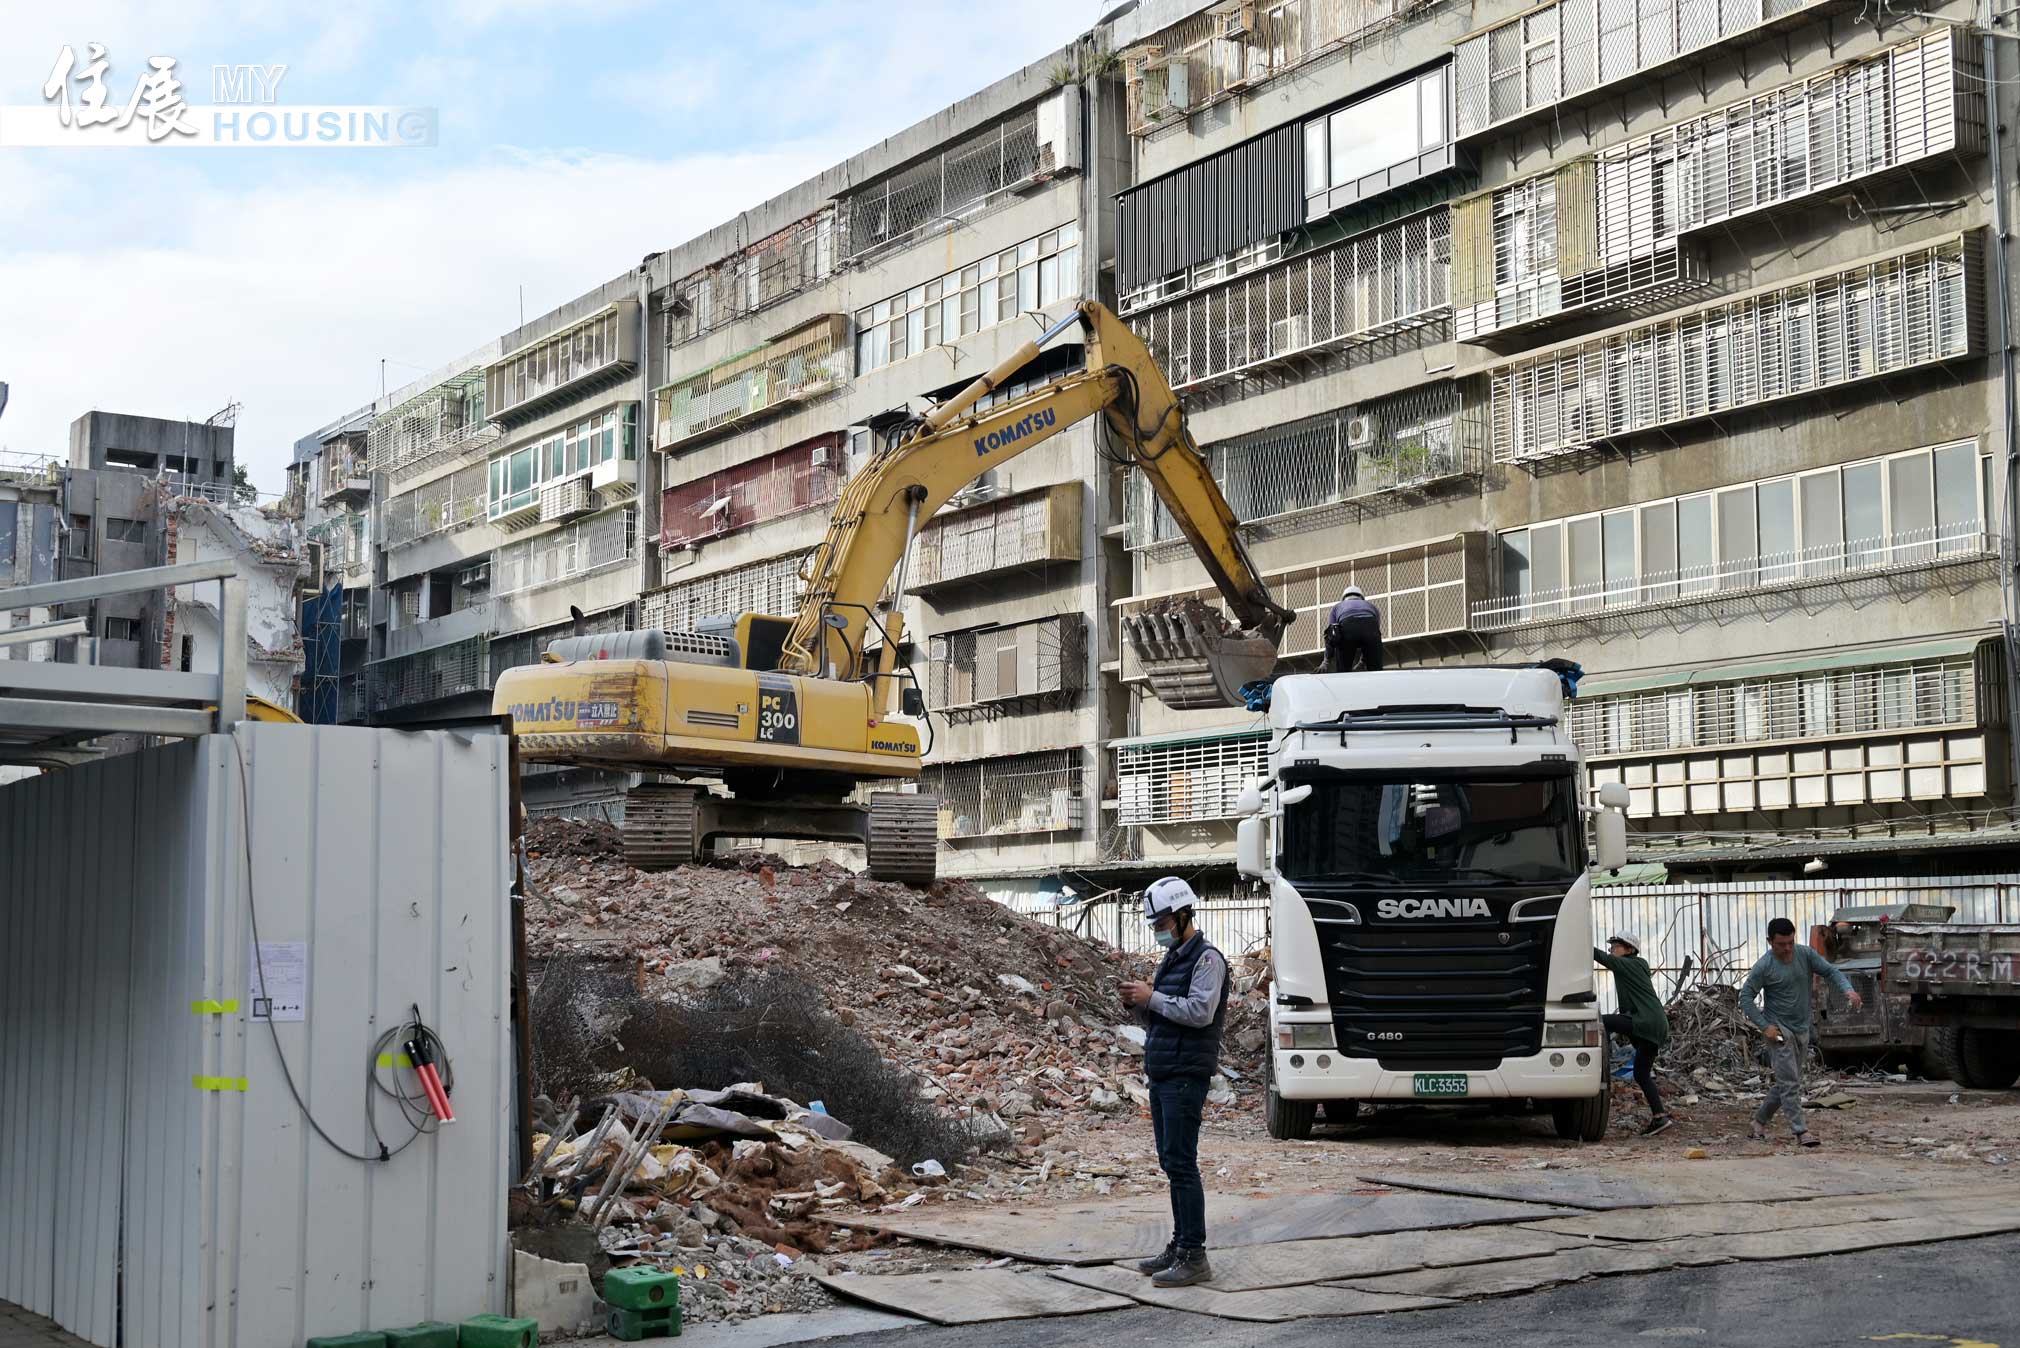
x,y
566,499
819,457
477,577
1291,334
1363,429
1165,87
1238,22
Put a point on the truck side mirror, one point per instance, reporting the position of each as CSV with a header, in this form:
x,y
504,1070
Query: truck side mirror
x,y
1295,795
1609,849
1250,801
1613,795
913,702
1249,857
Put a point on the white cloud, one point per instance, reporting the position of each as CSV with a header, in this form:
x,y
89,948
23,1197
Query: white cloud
x,y
286,298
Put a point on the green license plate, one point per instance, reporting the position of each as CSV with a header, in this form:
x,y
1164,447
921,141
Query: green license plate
x,y
1438,1083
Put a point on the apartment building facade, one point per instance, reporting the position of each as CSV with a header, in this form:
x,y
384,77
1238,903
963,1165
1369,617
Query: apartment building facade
x,y
1659,335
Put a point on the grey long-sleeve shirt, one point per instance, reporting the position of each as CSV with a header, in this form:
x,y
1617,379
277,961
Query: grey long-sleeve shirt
x,y
1202,995
1785,988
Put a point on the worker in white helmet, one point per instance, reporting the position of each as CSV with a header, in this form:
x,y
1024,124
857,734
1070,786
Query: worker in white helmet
x,y
1183,1009
1641,1018
1353,633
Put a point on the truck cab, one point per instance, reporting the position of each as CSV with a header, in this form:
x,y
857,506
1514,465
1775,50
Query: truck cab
x,y
1424,840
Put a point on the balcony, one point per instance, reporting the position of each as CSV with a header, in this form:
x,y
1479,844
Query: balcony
x,y
1871,729
1028,529
1020,793
441,506
1893,314
1183,779
1424,590
345,482
587,354
1282,479
801,365
1556,55
799,477
1373,285
995,669
1611,229
429,676
583,548
438,426
770,586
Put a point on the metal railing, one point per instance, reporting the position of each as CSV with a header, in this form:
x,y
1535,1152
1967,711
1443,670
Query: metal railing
x,y
441,506
800,365
1021,793
1187,780
578,549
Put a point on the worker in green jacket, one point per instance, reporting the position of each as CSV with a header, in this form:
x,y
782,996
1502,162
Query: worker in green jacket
x,y
1640,1017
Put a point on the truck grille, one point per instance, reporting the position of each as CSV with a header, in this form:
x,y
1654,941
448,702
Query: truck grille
x,y
1424,996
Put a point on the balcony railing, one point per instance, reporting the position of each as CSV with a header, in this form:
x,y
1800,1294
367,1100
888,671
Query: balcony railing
x,y
1882,317
437,426
1386,281
1942,545
1186,778
801,365
1029,529
552,369
1021,793
441,506
772,586
594,544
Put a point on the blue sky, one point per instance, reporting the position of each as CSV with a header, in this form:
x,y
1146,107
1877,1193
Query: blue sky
x,y
575,138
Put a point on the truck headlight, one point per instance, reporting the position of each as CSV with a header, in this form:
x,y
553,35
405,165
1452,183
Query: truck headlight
x,y
1304,1036
1571,1034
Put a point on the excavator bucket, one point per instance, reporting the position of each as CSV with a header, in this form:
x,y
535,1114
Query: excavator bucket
x,y
1193,658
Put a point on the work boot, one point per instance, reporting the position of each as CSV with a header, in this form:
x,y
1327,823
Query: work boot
x,y
1158,1263
1656,1125
1187,1268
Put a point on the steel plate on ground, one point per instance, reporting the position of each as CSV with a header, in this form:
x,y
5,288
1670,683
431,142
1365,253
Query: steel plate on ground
x,y
974,1296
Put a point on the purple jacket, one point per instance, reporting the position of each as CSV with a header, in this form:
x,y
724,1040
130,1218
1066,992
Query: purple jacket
x,y
1353,606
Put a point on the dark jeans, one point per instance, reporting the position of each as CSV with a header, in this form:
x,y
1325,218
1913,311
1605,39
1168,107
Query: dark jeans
x,y
1352,639
1644,1058
1175,1107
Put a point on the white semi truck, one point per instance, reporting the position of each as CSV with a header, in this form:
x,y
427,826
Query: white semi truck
x,y
1423,837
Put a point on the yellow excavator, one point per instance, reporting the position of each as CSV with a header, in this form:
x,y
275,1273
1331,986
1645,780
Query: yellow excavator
x,y
790,714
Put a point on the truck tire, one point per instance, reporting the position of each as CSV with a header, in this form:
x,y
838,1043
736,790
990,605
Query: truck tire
x,y
1583,1120
1285,1120
1942,1051
1990,1059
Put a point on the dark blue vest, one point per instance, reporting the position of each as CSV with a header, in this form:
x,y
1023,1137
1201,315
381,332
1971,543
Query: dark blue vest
x,y
1173,1050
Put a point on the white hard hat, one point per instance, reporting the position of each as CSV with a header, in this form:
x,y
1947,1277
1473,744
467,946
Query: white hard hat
x,y
1626,938
1168,895
1355,591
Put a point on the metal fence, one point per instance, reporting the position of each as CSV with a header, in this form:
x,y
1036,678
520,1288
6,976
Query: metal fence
x,y
1236,925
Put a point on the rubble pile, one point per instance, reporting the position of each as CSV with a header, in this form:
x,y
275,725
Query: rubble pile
x,y
999,1017
1710,1039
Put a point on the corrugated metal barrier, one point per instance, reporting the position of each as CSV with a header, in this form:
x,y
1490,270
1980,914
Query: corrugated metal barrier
x,y
158,1183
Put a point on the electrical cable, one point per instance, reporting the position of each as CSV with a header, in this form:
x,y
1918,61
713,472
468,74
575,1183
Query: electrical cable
x,y
400,1034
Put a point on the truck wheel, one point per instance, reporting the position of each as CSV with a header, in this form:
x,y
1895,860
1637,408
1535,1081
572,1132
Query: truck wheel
x,y
1584,1120
1285,1120
1941,1050
1990,1058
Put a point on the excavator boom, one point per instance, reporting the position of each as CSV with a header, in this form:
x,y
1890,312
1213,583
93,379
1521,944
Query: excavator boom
x,y
1192,659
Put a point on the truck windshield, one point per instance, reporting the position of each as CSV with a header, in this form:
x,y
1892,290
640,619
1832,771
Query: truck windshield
x,y
1401,831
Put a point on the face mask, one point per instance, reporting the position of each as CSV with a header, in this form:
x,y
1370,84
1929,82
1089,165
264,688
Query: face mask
x,y
1167,939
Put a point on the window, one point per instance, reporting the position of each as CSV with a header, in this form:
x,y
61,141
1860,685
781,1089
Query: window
x,y
122,629
78,544
1372,135
1036,273
516,478
188,643
124,531
1906,508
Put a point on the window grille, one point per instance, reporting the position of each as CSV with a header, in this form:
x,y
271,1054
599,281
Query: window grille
x,y
1023,530
800,365
772,586
445,504
949,183
1878,318
1384,281
1915,509
1394,444
605,343
776,268
526,648
762,489
1567,49
573,550
1187,779
425,676
431,428
1019,793
1038,272
996,664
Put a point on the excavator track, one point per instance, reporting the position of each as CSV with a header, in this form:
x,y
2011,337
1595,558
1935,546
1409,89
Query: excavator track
x,y
661,826
904,837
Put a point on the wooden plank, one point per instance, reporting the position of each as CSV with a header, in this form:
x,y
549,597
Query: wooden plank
x,y
974,1296
1102,1232
1270,1306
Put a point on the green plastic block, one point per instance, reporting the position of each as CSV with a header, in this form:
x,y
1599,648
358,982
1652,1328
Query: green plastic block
x,y
434,1334
640,1289
365,1339
498,1331
629,1326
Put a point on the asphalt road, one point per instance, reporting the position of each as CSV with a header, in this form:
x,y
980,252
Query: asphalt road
x,y
1957,1294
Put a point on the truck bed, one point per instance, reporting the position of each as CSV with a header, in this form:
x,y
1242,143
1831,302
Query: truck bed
x,y
1953,960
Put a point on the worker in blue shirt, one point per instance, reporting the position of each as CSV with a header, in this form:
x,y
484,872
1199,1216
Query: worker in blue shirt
x,y
1353,631
1781,980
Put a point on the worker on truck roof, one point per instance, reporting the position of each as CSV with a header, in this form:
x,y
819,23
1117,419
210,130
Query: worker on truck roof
x,y
1640,1018
1353,633
1781,979
1183,1009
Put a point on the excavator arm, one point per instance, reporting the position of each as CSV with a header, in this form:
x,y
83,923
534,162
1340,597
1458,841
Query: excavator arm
x,y
1190,656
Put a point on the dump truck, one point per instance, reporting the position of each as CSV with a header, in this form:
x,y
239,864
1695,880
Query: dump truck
x,y
1423,837
1960,984
1881,1030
